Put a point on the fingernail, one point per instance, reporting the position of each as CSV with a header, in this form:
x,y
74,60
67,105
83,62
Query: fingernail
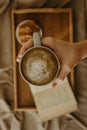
x,y
19,55
54,84
17,60
57,82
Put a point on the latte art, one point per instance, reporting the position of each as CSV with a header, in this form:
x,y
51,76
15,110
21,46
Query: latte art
x,y
37,70
39,66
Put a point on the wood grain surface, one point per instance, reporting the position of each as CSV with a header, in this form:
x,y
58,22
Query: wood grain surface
x,y
54,22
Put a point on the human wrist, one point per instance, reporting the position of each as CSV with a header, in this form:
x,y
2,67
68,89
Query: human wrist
x,y
82,49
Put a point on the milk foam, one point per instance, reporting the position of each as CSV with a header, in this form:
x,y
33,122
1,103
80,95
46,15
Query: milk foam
x,y
37,70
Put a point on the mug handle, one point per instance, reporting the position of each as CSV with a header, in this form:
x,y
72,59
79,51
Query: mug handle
x,y
37,39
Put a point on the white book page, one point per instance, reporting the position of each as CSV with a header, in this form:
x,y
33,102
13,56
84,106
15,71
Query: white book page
x,y
53,102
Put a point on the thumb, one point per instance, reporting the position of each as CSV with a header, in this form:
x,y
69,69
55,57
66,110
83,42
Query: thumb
x,y
64,71
49,42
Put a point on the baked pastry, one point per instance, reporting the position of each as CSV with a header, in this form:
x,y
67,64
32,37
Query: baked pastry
x,y
25,30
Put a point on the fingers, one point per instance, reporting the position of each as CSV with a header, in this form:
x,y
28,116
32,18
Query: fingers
x,y
62,74
56,82
49,42
23,49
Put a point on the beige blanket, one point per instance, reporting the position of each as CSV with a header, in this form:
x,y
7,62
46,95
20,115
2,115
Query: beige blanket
x,y
10,120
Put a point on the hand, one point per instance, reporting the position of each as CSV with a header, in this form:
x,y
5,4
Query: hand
x,y
23,49
68,54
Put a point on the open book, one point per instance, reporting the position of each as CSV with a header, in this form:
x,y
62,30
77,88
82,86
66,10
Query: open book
x,y
54,102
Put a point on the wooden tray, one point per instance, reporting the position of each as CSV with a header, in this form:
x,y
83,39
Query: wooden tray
x,y
54,22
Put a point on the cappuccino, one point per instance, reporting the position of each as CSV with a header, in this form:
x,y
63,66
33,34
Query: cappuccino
x,y
39,66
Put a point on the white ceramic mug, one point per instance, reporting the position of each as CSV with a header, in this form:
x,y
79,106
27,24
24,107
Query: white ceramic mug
x,y
39,65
